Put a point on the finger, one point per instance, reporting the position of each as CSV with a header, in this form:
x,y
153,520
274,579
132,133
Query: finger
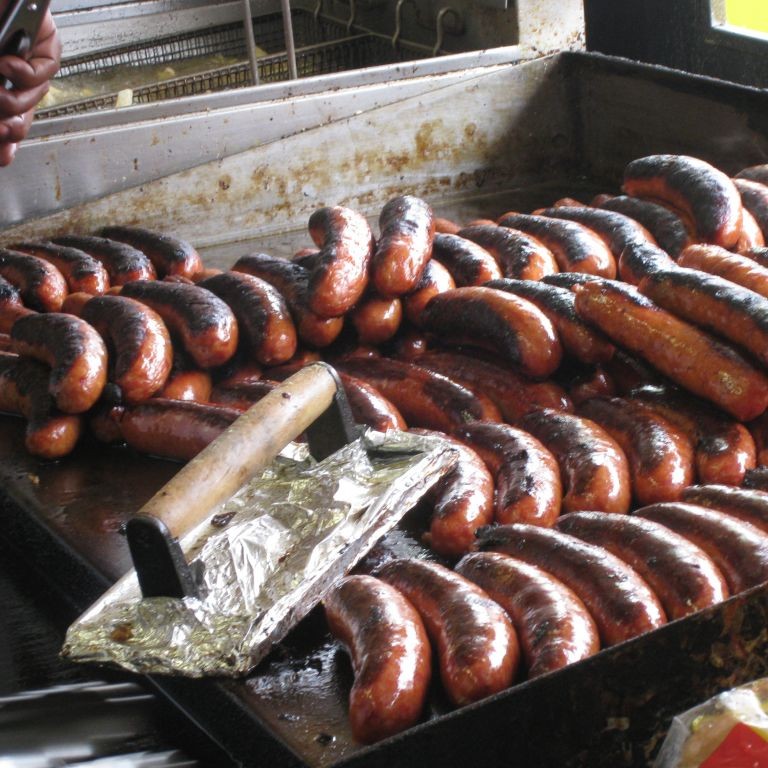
x,y
42,62
7,153
14,103
16,128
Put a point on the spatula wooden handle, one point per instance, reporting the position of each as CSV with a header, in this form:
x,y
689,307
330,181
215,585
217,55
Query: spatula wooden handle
x,y
248,445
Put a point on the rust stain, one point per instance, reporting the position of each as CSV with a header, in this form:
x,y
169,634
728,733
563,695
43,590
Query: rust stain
x,y
225,182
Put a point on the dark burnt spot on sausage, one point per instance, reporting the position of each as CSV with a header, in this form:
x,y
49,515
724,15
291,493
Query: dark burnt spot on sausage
x,y
9,293
62,334
619,230
665,225
550,298
514,251
200,308
118,258
79,263
153,244
28,273
754,197
573,243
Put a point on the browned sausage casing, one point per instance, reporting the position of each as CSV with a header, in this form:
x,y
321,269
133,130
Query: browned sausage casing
x,y
462,501
528,486
241,396
513,394
204,323
665,225
292,281
173,429
739,549
138,339
407,227
594,469
620,601
554,627
512,327
74,351
683,576
692,358
713,303
741,270
49,434
468,262
477,647
425,399
640,260
41,286
746,504
169,255
660,456
754,198
377,319
702,193
579,340
519,255
756,479
723,448
339,273
435,279
575,248
391,655
11,306
263,318
81,271
369,406
123,262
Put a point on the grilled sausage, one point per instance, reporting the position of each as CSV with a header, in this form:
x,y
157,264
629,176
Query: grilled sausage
x,y
186,381
619,600
49,434
575,248
514,328
705,196
292,281
477,648
446,226
754,198
682,576
695,360
376,319
41,286
369,406
744,503
241,396
80,270
552,623
514,395
434,279
11,306
594,470
757,173
407,227
738,549
425,399
723,448
715,304
169,254
173,429
138,344
391,655
528,486
616,230
468,262
586,383
628,372
202,322
264,322
641,259
660,456
123,262
665,225
462,501
741,270
756,478
519,255
339,273
758,428
559,304
74,351
751,235
569,280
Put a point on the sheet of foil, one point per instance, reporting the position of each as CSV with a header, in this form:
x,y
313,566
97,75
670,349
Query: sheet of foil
x,y
267,555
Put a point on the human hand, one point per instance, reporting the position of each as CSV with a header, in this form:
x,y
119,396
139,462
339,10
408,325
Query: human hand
x,y
30,78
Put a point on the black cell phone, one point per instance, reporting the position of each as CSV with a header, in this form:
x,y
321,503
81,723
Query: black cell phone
x,y
19,26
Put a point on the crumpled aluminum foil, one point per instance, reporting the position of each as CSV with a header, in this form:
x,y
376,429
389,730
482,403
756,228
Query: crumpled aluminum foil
x,y
268,555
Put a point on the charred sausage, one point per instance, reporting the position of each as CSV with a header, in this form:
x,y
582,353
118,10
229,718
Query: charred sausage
x,y
468,262
41,286
123,262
